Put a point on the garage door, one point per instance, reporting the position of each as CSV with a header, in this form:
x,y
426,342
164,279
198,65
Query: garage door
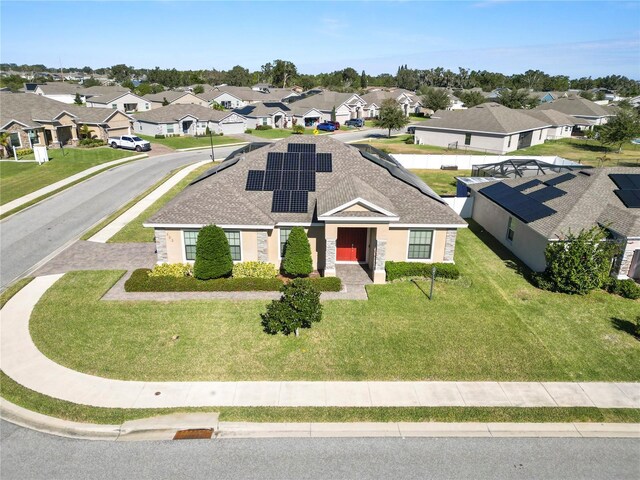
x,y
117,132
233,128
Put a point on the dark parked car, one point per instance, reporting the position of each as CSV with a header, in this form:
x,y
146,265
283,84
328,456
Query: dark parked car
x,y
355,122
411,130
335,124
326,126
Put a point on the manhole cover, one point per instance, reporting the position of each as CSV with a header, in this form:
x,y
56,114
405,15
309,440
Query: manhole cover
x,y
195,434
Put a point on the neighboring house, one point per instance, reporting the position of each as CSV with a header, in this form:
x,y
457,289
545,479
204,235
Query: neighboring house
x,y
525,215
38,120
237,97
62,92
407,101
157,100
635,101
347,105
187,119
273,114
123,101
580,108
356,207
489,127
561,124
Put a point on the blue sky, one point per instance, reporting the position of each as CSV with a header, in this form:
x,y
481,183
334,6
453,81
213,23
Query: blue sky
x,y
586,38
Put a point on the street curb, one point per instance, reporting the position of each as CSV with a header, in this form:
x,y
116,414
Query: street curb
x,y
191,149
165,427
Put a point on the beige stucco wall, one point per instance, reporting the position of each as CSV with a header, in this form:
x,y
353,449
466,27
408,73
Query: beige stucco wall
x,y
189,98
175,246
249,243
398,245
527,244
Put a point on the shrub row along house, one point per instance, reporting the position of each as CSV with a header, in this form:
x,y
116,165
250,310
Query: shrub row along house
x,y
36,120
356,207
526,214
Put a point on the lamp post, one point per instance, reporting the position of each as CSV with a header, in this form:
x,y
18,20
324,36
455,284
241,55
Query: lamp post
x,y
213,158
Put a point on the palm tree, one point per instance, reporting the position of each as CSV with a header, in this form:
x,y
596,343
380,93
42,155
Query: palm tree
x,y
5,143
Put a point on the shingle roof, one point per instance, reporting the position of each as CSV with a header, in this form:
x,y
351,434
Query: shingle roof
x,y
589,200
173,113
262,109
487,117
109,97
576,106
247,94
205,202
379,96
170,95
324,101
348,189
27,108
553,117
60,88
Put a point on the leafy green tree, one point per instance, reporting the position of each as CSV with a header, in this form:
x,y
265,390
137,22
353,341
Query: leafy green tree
x,y
622,128
515,98
198,89
363,80
121,72
600,95
217,106
390,116
213,255
298,307
435,99
91,82
239,77
297,254
165,102
12,82
5,143
333,114
77,100
581,262
85,131
586,94
283,71
128,84
471,98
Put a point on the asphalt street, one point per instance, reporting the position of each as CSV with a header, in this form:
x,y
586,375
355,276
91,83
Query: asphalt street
x,y
31,455
34,234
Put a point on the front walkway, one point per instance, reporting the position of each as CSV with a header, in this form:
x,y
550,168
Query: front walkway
x,y
22,361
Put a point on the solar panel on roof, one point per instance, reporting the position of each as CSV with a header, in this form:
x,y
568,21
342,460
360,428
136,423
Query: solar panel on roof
x,y
281,201
291,161
323,162
626,181
255,180
630,198
546,194
562,178
522,206
290,180
299,201
275,160
526,185
272,180
301,147
308,161
307,181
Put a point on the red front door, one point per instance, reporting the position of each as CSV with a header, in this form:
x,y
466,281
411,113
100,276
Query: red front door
x,y
351,245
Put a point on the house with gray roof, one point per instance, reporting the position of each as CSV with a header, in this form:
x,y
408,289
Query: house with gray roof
x,y
357,205
408,101
125,101
188,119
488,127
561,124
581,108
231,97
273,114
346,105
526,214
174,97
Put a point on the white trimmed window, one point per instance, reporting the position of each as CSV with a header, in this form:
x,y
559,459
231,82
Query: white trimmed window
x,y
284,236
420,242
170,128
467,139
114,106
15,140
33,136
510,229
191,238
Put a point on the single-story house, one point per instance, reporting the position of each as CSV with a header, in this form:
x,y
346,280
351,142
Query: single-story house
x,y
356,207
38,120
526,214
231,97
187,119
273,114
489,127
408,101
347,105
561,124
581,108
60,91
119,100
157,100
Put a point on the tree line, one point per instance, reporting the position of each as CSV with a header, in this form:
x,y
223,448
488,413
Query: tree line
x,y
284,73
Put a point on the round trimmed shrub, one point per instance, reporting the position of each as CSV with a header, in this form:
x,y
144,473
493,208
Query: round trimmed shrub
x,y
254,270
297,260
298,307
213,256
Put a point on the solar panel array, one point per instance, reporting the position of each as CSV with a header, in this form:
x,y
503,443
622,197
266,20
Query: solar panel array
x,y
526,185
546,193
562,178
290,176
517,203
628,188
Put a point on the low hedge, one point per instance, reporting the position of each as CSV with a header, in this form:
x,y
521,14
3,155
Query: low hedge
x,y
396,270
264,127
140,281
625,288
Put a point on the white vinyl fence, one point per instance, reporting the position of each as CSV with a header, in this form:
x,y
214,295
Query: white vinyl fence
x,y
465,162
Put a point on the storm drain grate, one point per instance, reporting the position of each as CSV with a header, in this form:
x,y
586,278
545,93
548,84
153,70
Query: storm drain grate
x,y
195,434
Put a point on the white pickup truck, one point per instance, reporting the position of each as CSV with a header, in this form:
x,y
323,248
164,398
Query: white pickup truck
x,y
130,142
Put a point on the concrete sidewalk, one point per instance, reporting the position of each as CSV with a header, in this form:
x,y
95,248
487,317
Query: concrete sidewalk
x,y
119,223
18,202
22,361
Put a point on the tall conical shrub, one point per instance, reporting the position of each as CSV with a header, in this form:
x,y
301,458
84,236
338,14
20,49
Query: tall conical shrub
x,y
297,260
213,256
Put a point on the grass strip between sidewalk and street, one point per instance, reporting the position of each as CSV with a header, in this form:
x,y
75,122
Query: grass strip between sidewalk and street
x,y
37,402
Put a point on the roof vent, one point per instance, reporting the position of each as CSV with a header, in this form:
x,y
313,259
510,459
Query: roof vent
x,y
585,172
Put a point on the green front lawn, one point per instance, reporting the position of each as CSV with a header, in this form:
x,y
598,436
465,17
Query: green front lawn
x,y
191,142
490,325
134,231
279,133
18,178
443,182
587,152
396,144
